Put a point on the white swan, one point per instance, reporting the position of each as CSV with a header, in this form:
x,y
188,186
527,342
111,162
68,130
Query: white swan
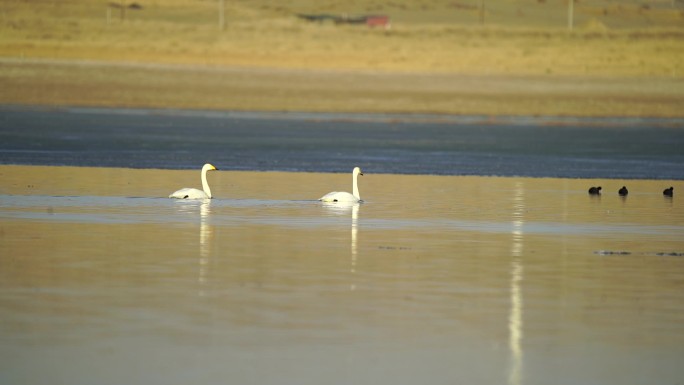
x,y
337,196
193,193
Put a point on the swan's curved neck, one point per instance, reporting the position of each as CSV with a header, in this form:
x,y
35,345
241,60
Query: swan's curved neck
x,y
356,186
205,184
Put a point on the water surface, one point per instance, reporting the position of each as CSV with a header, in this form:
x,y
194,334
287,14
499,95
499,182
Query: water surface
x,y
627,148
433,280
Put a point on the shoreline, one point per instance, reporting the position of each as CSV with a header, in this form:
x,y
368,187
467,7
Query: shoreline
x,y
371,117
95,83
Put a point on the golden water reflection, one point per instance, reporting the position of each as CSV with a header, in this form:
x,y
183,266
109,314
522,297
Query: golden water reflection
x,y
431,280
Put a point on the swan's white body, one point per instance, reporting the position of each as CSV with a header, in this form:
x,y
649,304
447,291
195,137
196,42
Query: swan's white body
x,y
193,193
340,196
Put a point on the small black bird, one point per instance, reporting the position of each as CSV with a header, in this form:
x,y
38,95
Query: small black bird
x,y
623,191
595,190
668,192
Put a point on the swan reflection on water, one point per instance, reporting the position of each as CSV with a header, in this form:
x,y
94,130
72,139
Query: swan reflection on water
x,y
204,242
515,317
205,234
348,208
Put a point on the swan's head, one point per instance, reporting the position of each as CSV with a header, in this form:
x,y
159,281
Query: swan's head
x,y
357,171
209,167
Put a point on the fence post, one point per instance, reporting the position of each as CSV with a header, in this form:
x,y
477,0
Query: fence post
x,y
222,21
123,10
482,12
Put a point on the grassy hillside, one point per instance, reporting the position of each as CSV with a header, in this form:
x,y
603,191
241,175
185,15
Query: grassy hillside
x,y
619,38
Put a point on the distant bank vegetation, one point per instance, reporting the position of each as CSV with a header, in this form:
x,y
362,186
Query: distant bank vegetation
x,y
602,37
611,14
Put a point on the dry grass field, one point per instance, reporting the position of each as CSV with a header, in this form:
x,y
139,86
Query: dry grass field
x,y
622,57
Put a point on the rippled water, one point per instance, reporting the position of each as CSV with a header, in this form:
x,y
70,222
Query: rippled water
x,y
630,148
431,280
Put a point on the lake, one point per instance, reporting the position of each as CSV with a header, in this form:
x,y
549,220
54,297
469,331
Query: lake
x,y
477,256
434,279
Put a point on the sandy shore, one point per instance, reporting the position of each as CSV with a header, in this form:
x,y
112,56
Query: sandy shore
x,y
128,84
